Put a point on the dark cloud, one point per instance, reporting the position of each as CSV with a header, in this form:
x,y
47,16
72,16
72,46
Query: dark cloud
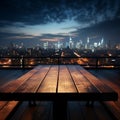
x,y
33,12
4,35
98,10
109,30
95,18
7,38
28,40
53,35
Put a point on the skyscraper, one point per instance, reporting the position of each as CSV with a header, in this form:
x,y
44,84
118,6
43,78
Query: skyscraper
x,y
70,43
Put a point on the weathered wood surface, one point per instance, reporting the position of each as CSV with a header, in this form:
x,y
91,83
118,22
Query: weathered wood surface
x,y
112,79
54,82
65,81
6,107
44,81
82,83
49,83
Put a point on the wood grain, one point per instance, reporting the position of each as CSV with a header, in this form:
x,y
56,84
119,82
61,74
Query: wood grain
x,y
49,83
81,82
65,83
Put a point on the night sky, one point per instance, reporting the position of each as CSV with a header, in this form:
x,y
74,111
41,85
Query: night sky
x,y
32,21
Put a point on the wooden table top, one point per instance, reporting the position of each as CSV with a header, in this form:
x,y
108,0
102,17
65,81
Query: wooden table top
x,y
57,79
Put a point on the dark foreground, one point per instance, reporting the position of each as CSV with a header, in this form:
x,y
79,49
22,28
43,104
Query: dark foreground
x,y
76,110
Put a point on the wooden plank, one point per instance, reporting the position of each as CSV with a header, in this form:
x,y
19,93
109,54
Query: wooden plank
x,y
111,78
49,83
102,88
65,83
13,85
32,84
2,104
82,84
7,109
113,108
9,75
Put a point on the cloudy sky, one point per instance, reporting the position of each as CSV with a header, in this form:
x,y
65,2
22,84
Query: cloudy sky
x,y
32,21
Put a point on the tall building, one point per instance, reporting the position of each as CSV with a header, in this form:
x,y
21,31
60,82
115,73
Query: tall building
x,y
59,44
45,45
102,43
70,43
87,43
88,40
